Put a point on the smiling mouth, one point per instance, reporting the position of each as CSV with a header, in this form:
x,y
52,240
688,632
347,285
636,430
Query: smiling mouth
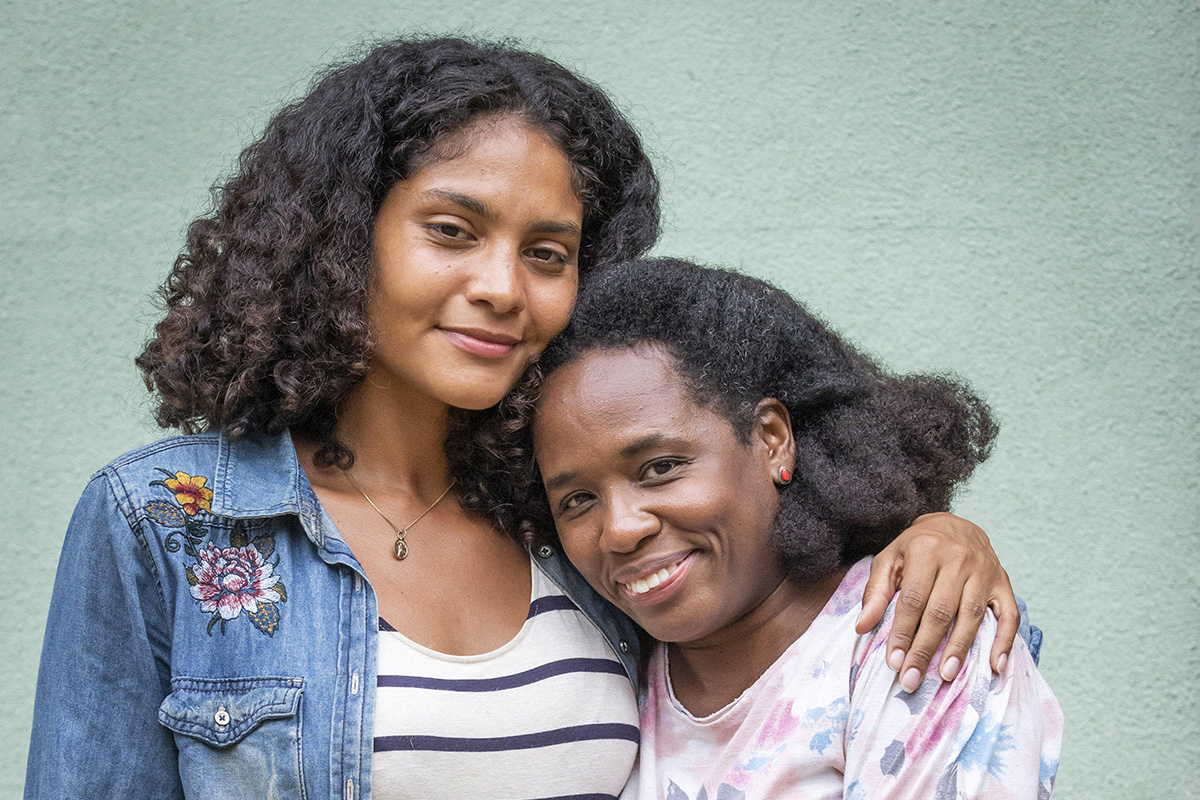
x,y
641,586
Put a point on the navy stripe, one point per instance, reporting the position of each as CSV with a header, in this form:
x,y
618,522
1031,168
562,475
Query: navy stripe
x,y
563,667
495,744
552,602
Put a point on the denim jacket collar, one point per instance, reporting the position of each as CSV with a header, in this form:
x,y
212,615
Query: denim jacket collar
x,y
260,477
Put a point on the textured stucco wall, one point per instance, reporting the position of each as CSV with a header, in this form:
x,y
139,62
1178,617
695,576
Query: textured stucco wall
x,y
1006,189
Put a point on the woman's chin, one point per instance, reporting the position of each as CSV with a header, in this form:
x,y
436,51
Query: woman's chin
x,y
475,402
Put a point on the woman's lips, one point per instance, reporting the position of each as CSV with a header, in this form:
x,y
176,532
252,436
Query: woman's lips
x,y
659,585
481,343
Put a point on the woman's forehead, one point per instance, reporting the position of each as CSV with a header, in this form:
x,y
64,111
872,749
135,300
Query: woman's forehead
x,y
617,394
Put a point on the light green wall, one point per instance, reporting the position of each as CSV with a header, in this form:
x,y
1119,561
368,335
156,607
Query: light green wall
x,y
1008,189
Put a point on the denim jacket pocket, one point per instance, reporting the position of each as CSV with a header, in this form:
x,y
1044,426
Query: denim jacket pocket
x,y
239,736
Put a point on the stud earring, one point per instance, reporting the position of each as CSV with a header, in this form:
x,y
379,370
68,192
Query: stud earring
x,y
785,476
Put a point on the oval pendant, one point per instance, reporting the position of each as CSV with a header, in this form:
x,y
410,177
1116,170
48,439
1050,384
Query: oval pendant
x,y
401,550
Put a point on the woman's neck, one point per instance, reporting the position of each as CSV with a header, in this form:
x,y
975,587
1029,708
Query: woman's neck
x,y
398,439
711,673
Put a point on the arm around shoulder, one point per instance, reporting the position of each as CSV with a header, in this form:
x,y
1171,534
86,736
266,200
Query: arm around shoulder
x,y
105,664
981,735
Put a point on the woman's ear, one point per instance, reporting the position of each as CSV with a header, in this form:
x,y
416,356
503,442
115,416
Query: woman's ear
x,y
773,428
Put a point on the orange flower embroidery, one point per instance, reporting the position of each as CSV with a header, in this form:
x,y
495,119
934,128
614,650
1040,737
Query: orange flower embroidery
x,y
190,492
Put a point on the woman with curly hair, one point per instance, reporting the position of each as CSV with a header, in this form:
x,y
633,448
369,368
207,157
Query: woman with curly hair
x,y
323,590
721,466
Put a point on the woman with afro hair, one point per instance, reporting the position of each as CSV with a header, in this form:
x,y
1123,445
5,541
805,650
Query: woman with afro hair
x,y
721,466
322,589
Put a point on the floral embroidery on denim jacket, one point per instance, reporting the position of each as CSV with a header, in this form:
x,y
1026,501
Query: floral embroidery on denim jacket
x,y
225,580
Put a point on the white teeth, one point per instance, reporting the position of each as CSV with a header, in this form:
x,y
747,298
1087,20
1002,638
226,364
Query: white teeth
x,y
646,584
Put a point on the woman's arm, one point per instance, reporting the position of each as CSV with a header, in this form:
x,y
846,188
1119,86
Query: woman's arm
x,y
945,570
105,665
981,735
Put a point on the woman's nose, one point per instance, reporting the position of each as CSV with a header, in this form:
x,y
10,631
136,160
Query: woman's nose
x,y
626,525
498,280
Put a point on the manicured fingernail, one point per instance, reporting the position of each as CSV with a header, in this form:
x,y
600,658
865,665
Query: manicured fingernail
x,y
858,619
911,680
896,659
1002,661
949,668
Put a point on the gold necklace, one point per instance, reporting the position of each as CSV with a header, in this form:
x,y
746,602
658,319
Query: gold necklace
x,y
401,547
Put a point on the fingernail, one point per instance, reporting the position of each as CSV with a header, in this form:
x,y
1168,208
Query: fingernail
x,y
949,668
896,659
1002,661
911,680
858,619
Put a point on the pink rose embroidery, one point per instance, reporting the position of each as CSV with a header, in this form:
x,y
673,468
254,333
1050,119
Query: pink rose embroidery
x,y
230,580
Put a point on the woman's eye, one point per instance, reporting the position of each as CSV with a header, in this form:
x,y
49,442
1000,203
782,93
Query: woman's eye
x,y
573,501
449,230
547,254
656,469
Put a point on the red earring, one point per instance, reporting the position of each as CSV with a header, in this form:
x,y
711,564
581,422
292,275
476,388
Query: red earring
x,y
785,476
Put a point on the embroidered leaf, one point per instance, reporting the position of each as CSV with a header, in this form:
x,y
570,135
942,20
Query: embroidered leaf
x,y
166,472
282,591
237,538
164,513
196,530
191,576
266,618
265,545
213,622
223,621
190,548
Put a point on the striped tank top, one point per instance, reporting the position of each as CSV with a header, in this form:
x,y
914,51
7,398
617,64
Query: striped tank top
x,y
550,714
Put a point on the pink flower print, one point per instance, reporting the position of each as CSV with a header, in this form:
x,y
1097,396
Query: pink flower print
x,y
231,579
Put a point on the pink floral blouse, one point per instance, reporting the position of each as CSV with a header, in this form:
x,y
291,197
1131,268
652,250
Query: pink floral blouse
x,y
829,720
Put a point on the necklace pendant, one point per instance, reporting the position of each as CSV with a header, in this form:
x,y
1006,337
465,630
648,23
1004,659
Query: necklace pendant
x,y
401,550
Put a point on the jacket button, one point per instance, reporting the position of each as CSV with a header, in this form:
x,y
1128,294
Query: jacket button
x,y
221,717
624,646
545,551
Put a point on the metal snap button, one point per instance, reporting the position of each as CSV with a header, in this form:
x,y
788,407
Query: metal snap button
x,y
545,551
221,717
624,646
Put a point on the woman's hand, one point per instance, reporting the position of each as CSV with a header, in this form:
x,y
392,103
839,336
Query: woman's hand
x,y
944,568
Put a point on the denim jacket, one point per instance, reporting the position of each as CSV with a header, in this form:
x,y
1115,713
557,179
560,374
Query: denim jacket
x,y
211,635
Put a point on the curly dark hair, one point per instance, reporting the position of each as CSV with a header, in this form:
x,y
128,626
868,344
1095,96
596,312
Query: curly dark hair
x,y
873,450
266,308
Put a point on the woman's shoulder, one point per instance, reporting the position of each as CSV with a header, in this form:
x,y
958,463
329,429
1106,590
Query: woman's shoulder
x,y
180,458
179,468
196,449
173,480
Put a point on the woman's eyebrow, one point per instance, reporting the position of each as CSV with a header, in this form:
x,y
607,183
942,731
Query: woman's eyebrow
x,y
560,480
549,226
465,201
651,441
